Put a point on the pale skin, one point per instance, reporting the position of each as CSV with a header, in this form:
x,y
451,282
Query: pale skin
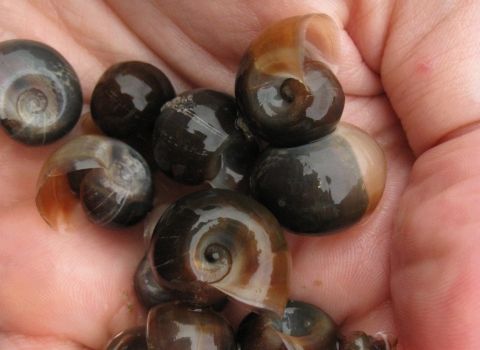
x,y
410,72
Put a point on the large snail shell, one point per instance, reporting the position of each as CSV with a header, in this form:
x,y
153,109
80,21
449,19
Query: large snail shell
x,y
128,97
216,242
302,327
324,186
40,94
112,180
176,326
196,140
285,86
131,339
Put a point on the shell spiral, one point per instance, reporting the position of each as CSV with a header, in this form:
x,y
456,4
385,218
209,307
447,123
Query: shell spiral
x,y
40,94
106,177
219,242
285,87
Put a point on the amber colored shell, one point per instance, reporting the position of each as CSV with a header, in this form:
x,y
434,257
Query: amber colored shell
x,y
105,177
286,88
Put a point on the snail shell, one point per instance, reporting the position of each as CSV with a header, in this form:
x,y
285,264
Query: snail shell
x,y
285,87
324,186
131,339
196,140
40,94
127,99
146,287
219,242
358,340
176,326
112,181
302,327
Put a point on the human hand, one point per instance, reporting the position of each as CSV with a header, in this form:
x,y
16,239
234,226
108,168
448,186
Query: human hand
x,y
408,71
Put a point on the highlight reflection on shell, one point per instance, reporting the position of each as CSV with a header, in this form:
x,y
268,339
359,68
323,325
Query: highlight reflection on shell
x,y
302,327
358,340
176,326
127,99
40,94
131,339
112,181
196,140
286,88
216,242
324,186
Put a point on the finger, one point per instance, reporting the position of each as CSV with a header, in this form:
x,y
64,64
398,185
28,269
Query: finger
x,y
431,75
77,285
430,68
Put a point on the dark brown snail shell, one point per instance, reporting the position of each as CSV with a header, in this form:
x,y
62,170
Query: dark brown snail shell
x,y
324,186
219,242
196,140
131,339
147,288
40,94
285,87
358,340
127,99
302,327
176,326
106,177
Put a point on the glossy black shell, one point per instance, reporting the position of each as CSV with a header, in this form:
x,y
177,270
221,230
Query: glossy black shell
x,y
303,327
196,140
324,186
176,326
127,99
40,94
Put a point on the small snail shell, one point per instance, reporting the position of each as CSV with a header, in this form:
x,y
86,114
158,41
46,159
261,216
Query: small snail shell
x,y
219,242
146,287
112,180
358,340
40,94
302,327
324,186
176,326
131,339
196,140
285,87
127,99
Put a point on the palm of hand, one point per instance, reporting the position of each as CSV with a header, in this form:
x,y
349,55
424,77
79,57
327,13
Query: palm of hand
x,y
401,271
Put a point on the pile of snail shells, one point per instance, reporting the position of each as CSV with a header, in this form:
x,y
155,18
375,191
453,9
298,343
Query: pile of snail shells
x,y
317,176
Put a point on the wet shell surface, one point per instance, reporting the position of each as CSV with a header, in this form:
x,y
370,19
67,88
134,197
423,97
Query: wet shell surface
x,y
219,242
196,140
127,99
131,339
302,327
285,87
40,94
324,186
105,177
176,326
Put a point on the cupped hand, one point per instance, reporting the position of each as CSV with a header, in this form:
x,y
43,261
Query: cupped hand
x,y
410,72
